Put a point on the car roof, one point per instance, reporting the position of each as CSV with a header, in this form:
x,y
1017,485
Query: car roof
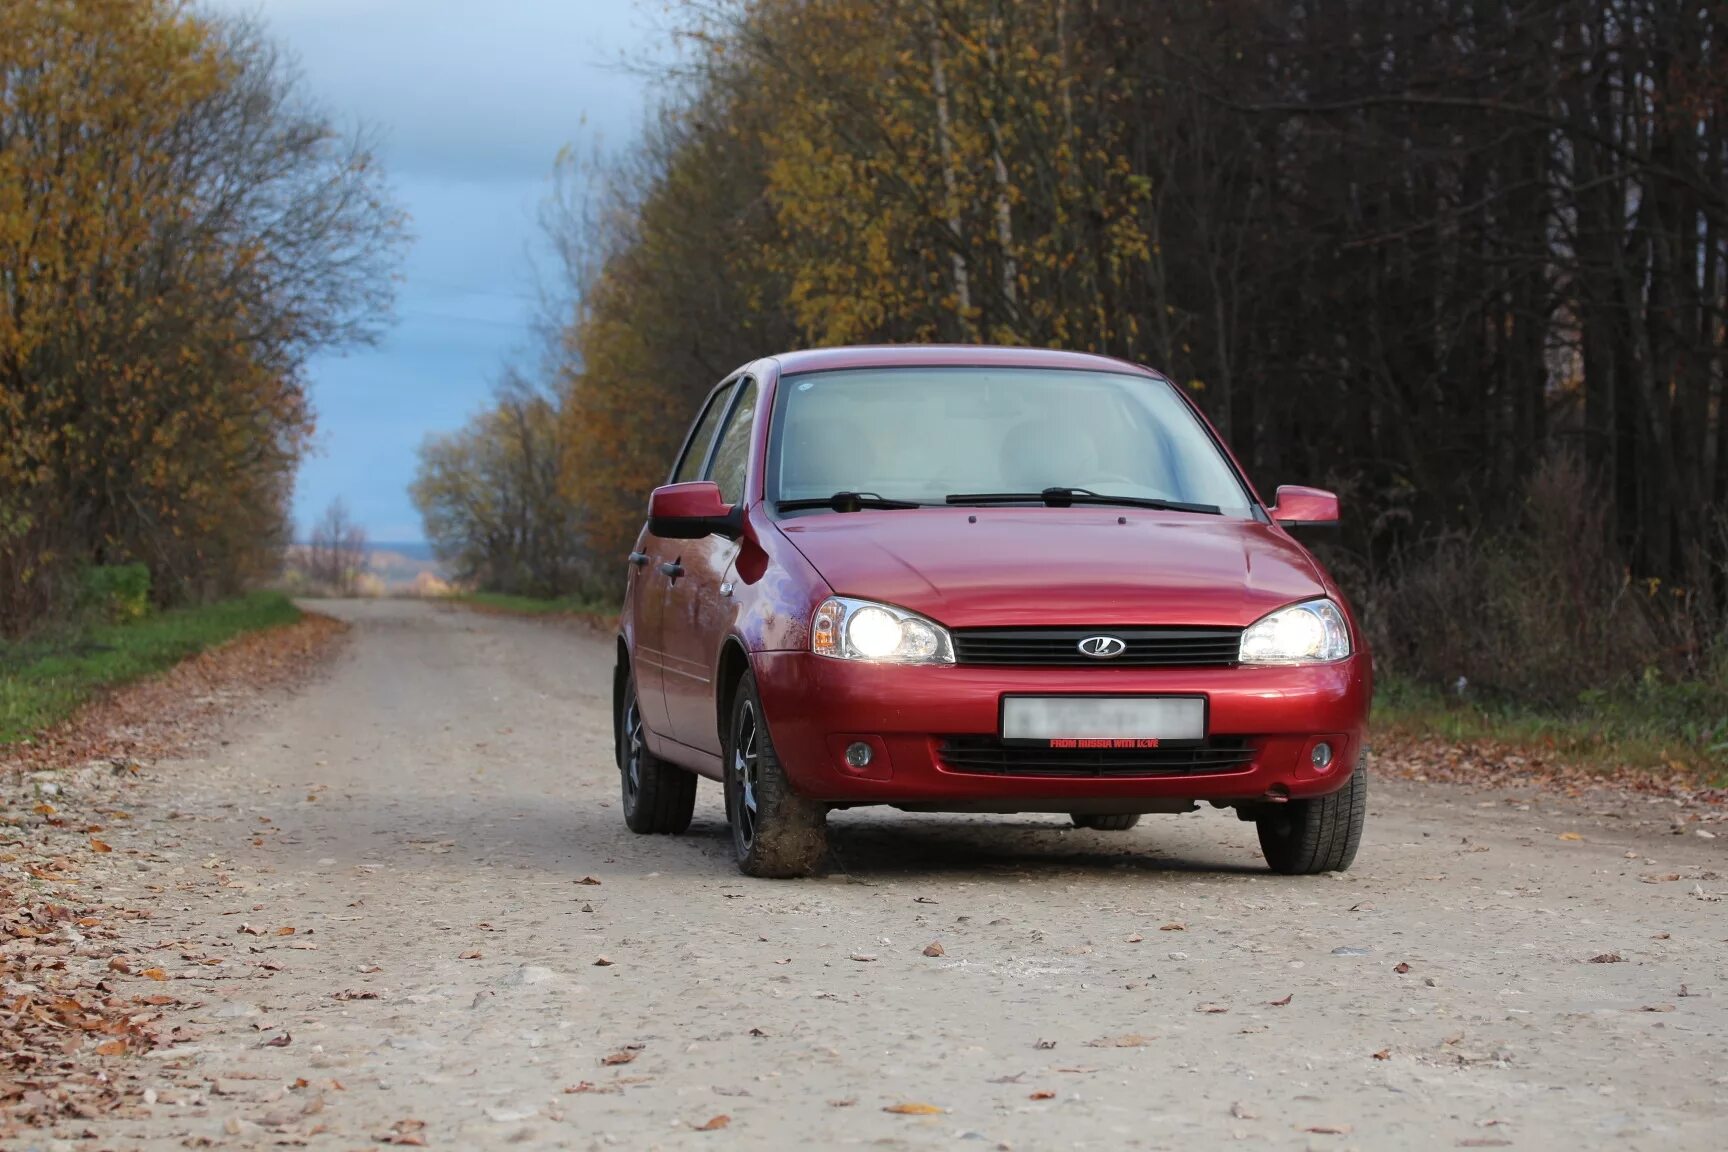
x,y
946,356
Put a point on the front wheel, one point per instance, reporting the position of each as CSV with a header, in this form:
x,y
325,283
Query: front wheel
x,y
1304,837
1116,822
776,833
658,797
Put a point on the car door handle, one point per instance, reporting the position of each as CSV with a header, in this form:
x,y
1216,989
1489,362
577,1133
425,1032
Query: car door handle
x,y
672,568
638,558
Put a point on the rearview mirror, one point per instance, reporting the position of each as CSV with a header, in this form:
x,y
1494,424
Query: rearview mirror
x,y
1311,507
690,511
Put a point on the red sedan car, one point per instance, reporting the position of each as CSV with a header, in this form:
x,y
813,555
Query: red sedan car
x,y
981,580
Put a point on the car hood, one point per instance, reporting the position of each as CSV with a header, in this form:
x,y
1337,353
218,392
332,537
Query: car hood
x,y
992,567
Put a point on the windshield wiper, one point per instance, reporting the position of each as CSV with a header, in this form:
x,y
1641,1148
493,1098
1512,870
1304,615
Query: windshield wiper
x,y
1065,497
846,502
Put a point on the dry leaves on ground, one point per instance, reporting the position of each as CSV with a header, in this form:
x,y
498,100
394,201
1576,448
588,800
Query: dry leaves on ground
x,y
1489,764
61,1031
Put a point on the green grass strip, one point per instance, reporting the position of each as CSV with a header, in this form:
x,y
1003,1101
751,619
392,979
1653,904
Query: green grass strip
x,y
44,680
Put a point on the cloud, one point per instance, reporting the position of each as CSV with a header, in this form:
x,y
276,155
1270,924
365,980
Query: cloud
x,y
472,100
469,90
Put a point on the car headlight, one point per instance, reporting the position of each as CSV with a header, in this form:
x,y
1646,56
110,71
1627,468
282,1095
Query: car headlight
x,y
847,629
1313,632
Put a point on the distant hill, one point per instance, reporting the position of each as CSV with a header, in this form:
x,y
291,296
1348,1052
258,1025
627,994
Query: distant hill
x,y
391,568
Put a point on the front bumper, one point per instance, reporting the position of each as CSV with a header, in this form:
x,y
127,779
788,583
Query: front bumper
x,y
815,707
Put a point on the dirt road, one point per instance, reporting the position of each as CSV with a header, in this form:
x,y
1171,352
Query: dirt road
x,y
437,821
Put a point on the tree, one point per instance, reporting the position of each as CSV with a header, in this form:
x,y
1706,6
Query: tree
x,y
336,551
179,231
491,497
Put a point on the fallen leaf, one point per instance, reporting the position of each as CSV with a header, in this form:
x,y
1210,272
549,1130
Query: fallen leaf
x,y
1329,1129
99,846
285,930
1045,1044
588,880
111,1048
914,1109
1570,836
622,1056
1130,1040
474,955
1042,1095
281,1040
1608,958
1211,1009
1173,926
356,994
846,1103
1383,1054
1657,1008
715,1123
120,964
1288,996
155,974
1241,1112
1363,907
1401,967
405,1133
934,948
862,957
602,962
1136,938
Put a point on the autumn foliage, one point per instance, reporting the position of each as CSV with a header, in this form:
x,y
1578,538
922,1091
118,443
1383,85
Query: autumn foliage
x,y
1427,253
177,233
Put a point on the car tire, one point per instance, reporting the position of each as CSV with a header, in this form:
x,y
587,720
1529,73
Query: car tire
x,y
659,798
1116,822
776,833
1305,837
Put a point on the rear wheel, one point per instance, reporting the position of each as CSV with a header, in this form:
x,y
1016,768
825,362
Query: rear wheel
x,y
1117,822
658,797
1304,837
776,833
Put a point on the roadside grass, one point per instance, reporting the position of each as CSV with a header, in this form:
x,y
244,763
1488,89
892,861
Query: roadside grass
x,y
535,606
45,678
1654,726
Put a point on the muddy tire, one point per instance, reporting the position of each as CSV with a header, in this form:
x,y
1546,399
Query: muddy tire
x,y
1305,837
658,797
1116,822
776,833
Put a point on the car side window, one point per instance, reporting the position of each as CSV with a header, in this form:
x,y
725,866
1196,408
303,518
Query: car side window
x,y
732,457
696,449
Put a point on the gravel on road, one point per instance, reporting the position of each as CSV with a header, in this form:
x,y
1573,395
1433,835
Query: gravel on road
x,y
400,907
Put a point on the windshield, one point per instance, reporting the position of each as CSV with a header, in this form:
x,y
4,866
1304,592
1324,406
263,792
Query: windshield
x,y
924,434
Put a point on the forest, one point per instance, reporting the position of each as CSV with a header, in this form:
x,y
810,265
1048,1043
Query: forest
x,y
180,229
1461,260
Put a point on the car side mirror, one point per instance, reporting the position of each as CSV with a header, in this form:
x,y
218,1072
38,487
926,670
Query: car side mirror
x,y
1308,507
691,511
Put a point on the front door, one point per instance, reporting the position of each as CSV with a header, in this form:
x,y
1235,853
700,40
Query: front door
x,y
699,604
654,573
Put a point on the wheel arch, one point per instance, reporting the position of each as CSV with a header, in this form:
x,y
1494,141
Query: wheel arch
x,y
734,662
620,683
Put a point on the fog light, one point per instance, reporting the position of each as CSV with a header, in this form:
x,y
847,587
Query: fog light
x,y
1321,757
858,754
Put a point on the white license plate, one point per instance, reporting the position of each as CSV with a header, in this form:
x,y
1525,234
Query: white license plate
x,y
1104,721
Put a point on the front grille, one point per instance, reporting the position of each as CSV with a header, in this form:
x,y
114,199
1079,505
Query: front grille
x,y
1181,647
988,756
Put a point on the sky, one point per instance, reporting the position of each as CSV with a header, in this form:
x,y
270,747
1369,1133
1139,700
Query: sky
x,y
470,101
